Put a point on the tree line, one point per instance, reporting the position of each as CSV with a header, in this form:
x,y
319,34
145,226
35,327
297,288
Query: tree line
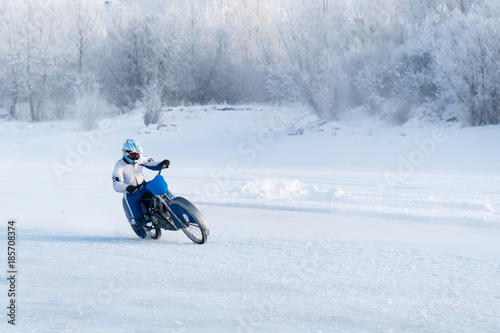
x,y
393,59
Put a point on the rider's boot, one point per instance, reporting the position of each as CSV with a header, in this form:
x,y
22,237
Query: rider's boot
x,y
138,227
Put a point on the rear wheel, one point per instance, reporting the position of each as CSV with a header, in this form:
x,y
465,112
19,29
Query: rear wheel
x,y
152,228
195,225
153,232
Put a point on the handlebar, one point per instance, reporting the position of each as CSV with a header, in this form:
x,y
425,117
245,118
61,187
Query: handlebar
x,y
163,167
144,182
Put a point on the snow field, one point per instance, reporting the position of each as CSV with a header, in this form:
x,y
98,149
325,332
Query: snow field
x,y
307,234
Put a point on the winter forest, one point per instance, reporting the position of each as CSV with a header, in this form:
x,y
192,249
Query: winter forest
x,y
392,59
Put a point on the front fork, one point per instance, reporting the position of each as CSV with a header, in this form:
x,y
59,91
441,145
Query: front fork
x,y
169,195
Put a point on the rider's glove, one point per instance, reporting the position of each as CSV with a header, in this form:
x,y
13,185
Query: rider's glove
x,y
131,188
165,163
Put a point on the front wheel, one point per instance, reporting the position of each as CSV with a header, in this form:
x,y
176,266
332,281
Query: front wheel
x,y
195,225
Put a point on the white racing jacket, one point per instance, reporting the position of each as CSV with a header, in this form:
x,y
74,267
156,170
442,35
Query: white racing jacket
x,y
126,174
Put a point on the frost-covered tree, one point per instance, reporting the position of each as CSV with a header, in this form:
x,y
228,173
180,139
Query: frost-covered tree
x,y
37,54
83,30
465,51
125,56
11,55
309,68
396,82
393,56
151,100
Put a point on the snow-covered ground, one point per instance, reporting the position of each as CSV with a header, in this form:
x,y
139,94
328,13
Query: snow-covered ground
x,y
315,227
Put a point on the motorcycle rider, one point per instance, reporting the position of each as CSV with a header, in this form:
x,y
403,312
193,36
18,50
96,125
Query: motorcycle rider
x,y
127,178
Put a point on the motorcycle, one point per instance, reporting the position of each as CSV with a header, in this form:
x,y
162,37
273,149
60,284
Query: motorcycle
x,y
163,210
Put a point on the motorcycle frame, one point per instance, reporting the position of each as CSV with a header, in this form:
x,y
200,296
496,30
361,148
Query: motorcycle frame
x,y
178,224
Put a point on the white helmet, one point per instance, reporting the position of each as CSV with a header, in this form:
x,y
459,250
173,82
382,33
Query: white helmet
x,y
131,151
